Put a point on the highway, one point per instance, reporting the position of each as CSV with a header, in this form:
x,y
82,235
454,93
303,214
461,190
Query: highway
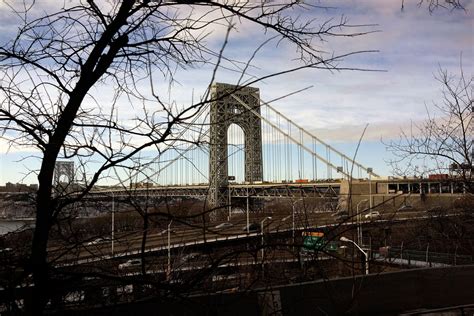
x,y
127,246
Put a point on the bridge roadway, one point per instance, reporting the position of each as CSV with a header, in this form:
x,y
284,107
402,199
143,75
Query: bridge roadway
x,y
181,265
129,245
261,190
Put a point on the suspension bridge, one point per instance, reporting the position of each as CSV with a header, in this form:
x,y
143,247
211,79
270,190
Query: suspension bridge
x,y
239,145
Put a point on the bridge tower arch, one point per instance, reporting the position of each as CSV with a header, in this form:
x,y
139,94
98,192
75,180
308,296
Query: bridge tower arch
x,y
63,169
226,109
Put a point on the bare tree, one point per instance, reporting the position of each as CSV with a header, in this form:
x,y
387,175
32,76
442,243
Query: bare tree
x,y
433,5
445,4
444,142
52,72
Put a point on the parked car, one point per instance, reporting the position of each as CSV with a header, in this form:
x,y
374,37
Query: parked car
x,y
373,214
253,227
130,263
224,225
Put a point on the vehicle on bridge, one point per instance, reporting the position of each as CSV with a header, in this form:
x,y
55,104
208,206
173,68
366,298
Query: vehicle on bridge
x,y
190,257
130,263
253,227
224,225
372,215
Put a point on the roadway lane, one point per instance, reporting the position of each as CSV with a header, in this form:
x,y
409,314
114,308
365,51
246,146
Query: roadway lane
x,y
129,245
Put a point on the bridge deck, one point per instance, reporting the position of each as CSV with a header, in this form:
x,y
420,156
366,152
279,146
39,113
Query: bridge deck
x,y
310,189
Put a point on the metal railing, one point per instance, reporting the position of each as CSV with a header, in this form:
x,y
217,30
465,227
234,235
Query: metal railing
x,y
428,257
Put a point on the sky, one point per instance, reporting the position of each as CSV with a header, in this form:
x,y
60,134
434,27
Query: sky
x,y
411,46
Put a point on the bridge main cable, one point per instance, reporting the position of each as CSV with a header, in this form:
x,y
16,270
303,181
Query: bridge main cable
x,y
307,149
320,140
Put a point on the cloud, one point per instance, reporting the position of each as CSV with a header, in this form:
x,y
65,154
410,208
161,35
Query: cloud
x,y
413,44
6,147
352,133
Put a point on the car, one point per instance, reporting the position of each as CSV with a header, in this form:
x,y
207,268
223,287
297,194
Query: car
x,y
341,213
165,232
405,207
224,225
6,250
253,227
93,242
436,209
98,241
190,256
130,263
373,214
342,217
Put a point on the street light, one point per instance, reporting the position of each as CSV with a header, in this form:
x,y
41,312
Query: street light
x,y
113,223
365,253
169,249
229,199
293,222
247,212
261,229
369,171
359,228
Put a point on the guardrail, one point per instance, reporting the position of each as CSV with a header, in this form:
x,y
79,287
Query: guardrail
x,y
428,257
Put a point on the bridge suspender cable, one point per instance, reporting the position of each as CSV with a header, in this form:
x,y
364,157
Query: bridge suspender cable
x,y
289,136
280,132
303,146
302,130
172,143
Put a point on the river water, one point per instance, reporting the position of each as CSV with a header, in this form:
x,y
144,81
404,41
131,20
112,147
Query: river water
x,y
7,226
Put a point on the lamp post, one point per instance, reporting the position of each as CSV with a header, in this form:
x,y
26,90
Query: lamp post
x,y
169,250
293,222
359,228
261,229
361,250
247,212
230,205
370,170
113,224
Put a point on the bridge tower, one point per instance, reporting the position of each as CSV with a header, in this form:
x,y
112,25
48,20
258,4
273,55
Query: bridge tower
x,y
226,108
63,168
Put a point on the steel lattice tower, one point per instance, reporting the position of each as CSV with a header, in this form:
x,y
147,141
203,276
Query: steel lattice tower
x,y
224,111
63,168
